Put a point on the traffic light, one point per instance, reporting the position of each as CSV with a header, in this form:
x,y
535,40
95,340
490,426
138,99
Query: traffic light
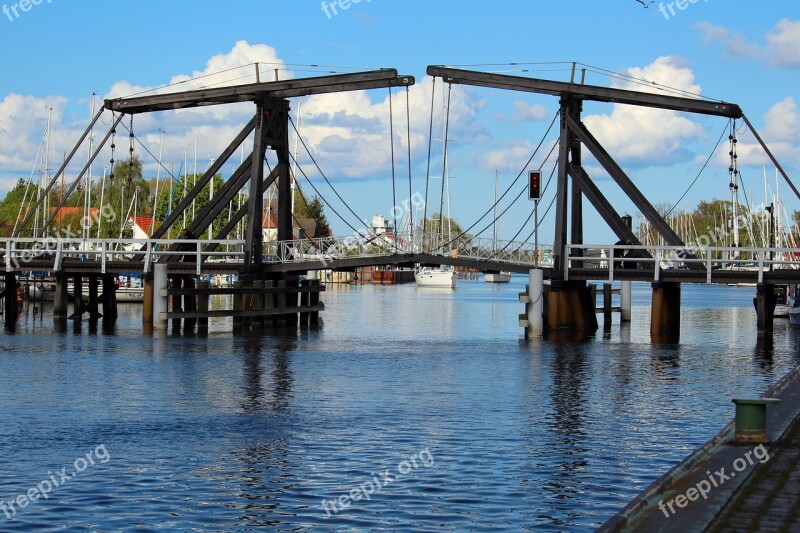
x,y
535,185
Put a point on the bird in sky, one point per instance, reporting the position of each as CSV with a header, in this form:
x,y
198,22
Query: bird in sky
x,y
645,4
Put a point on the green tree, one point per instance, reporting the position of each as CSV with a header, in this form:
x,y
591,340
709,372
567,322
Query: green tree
x,y
123,193
171,196
10,205
314,209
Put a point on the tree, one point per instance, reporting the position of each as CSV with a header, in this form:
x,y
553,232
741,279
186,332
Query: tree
x,y
315,210
10,205
170,197
449,226
123,193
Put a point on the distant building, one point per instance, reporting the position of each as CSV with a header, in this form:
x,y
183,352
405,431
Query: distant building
x,y
142,226
303,228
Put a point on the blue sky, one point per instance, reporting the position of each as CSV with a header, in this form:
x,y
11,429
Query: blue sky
x,y
57,53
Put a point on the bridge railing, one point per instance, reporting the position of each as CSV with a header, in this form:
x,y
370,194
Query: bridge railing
x,y
328,249
612,258
19,251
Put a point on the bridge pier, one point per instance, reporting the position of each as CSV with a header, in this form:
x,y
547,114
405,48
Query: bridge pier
x,y
570,306
665,313
77,297
94,300
11,302
765,306
625,301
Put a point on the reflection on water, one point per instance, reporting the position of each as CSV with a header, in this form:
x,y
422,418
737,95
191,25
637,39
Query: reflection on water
x,y
240,432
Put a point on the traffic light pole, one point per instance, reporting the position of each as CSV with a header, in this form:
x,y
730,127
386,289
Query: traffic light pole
x,y
536,234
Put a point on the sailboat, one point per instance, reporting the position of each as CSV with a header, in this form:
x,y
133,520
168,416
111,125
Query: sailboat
x,y
496,277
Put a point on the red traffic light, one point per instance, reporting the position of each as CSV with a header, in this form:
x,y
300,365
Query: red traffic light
x,y
534,185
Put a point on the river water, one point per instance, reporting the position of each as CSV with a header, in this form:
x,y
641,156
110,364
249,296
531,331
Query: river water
x,y
409,409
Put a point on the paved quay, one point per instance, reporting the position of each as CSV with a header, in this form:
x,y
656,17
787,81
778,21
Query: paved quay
x,y
725,486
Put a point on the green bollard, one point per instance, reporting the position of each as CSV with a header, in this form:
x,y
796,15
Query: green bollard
x,y
751,419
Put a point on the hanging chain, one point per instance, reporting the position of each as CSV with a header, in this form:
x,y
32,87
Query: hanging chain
x,y
113,147
733,170
130,162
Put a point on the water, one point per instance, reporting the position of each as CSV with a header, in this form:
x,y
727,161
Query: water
x,y
241,433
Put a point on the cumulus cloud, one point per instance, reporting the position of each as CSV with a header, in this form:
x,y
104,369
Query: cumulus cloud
x,y
526,113
347,132
643,136
781,46
781,132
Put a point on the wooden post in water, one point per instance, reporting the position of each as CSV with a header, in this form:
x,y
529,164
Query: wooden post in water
x,y
77,297
257,303
147,302
60,298
281,299
202,304
607,300
269,300
665,314
304,301
94,309
177,303
765,307
237,305
109,301
11,303
313,301
189,304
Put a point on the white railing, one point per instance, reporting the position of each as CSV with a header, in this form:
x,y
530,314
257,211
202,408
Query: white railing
x,y
18,252
332,248
714,260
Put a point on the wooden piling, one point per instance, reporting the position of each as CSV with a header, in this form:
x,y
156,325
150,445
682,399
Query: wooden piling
x,y
60,298
202,305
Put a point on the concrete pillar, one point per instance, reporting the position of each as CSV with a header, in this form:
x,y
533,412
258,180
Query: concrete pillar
x,y
665,314
160,302
536,306
765,306
60,298
625,301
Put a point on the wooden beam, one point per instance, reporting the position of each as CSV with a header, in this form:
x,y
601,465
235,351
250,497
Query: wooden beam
x,y
586,92
257,91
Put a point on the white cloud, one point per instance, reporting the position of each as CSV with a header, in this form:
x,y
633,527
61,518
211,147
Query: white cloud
x,y
780,49
348,133
526,113
783,44
781,133
643,136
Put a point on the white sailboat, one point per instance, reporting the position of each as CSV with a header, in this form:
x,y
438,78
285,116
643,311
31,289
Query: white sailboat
x,y
442,277
496,277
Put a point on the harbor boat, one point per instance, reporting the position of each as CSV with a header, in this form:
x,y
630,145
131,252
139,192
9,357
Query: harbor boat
x,y
497,277
436,277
